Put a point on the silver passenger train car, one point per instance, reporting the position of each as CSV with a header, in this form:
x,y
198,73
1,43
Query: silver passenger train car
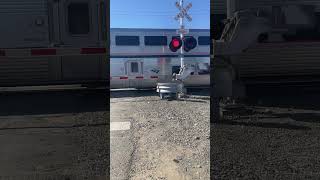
x,y
139,58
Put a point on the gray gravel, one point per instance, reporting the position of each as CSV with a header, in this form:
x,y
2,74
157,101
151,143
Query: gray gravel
x,y
267,143
171,137
93,152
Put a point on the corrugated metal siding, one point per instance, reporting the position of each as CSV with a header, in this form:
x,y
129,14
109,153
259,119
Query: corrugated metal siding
x,y
19,30
261,3
18,21
218,7
285,59
23,71
38,7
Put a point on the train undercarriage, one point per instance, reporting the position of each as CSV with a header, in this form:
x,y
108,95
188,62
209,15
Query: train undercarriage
x,y
255,44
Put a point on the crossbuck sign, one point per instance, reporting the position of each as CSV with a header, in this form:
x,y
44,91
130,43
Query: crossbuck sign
x,y
183,11
180,16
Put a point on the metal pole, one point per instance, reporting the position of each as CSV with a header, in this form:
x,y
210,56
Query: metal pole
x,y
181,36
231,8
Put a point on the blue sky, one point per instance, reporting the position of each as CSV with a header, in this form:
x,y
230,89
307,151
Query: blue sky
x,y
157,14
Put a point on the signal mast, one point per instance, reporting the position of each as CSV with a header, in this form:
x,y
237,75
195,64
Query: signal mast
x,y
182,14
174,88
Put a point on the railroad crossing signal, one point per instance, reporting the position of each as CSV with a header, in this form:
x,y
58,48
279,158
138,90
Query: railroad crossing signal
x,y
189,43
175,44
183,12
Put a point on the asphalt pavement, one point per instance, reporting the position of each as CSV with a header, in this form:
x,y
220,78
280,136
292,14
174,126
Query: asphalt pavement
x,y
53,134
121,142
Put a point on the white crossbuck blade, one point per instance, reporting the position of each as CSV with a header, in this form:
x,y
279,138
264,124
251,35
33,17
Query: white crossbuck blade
x,y
188,17
183,12
178,5
187,7
180,15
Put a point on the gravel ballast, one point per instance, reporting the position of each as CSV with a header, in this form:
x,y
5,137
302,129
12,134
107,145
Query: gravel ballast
x,y
171,138
268,141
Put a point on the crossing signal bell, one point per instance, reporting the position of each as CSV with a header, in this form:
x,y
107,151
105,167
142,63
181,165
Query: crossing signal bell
x,y
175,44
189,43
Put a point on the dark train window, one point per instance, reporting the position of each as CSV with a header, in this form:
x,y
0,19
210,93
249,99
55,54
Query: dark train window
x,y
204,68
305,33
134,67
216,21
175,69
278,15
127,41
204,40
155,40
78,18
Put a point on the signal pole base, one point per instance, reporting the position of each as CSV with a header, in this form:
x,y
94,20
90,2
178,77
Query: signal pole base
x,y
167,90
173,90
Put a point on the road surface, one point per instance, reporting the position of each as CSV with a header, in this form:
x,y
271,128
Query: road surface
x,y
166,139
275,136
53,134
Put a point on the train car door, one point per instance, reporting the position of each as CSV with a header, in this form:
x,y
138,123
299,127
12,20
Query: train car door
x,y
135,73
79,27
203,74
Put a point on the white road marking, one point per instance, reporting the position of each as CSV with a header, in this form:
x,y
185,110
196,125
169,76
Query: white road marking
x,y
119,126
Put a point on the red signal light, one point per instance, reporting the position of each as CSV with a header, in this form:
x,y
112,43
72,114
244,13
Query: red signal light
x,y
175,44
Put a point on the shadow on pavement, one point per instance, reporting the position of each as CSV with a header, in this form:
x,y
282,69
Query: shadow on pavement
x,y
133,93
152,92
265,125
53,102
193,100
290,97
303,117
199,91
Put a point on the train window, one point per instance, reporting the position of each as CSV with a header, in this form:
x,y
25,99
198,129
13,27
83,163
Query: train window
x,y
78,18
278,15
155,40
134,67
175,69
127,41
204,68
204,40
304,33
217,23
